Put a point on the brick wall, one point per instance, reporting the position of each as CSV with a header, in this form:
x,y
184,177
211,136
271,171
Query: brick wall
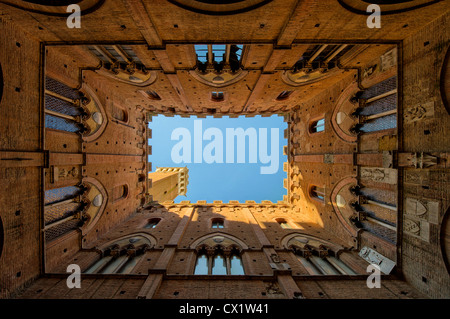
x,y
423,56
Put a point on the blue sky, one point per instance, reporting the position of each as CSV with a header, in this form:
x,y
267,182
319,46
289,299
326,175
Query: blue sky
x,y
221,181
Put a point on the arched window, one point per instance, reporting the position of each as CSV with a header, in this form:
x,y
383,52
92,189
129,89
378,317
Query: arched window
x,y
216,57
219,259
152,223
119,192
61,211
378,107
317,193
202,52
236,266
317,126
219,265
370,212
284,95
121,256
217,96
62,107
317,258
217,223
283,223
201,265
119,114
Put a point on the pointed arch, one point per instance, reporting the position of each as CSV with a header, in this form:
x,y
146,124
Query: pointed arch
x,y
227,240
97,197
310,240
57,8
97,119
144,238
343,210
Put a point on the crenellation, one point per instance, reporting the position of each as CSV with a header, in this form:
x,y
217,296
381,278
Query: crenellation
x,y
367,146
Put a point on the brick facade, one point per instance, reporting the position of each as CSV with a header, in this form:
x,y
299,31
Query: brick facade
x,y
367,179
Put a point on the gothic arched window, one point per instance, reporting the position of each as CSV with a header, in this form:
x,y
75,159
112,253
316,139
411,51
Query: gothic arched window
x,y
219,255
317,258
219,265
61,210
236,266
378,107
217,57
62,107
121,256
201,265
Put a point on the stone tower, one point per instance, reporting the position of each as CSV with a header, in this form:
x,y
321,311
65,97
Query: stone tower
x,y
168,182
368,150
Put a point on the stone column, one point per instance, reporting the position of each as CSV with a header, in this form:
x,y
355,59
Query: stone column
x,y
153,281
284,276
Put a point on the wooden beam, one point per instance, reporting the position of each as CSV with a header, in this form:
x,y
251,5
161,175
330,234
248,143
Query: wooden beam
x,y
21,159
60,159
176,84
112,158
293,25
164,61
144,23
258,89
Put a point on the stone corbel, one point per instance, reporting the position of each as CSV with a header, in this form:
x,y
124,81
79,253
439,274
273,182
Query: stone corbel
x,y
210,251
355,129
227,251
322,251
363,200
354,219
355,190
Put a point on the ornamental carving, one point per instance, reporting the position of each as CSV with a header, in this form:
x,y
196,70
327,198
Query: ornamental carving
x,y
419,112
